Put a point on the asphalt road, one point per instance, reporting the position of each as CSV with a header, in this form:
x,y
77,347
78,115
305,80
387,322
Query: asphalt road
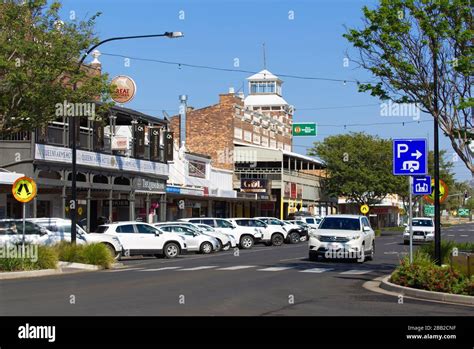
x,y
260,281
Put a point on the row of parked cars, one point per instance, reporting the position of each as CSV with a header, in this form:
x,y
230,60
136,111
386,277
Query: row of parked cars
x,y
169,239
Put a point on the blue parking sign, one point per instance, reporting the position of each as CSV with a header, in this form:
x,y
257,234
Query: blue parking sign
x,y
410,157
421,185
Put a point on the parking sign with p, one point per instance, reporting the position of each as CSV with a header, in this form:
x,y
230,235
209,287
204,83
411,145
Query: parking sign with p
x,y
410,157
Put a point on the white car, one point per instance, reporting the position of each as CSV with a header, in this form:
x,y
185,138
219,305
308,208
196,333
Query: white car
x,y
305,226
226,240
144,239
11,232
312,221
293,231
60,230
343,236
244,236
423,230
195,240
270,234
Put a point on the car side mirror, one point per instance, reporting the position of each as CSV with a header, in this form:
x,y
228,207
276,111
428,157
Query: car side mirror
x,y
366,228
405,225
43,231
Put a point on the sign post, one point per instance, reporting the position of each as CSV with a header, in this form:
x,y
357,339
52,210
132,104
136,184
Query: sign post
x,y
410,158
24,190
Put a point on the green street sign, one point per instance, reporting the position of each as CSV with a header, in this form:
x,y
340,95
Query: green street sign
x,y
429,210
304,129
463,212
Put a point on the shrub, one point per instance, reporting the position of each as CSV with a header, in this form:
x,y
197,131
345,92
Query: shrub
x,y
47,258
97,254
424,274
446,249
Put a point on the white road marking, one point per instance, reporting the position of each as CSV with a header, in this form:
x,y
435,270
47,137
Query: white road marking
x,y
158,269
275,269
391,252
356,272
451,235
464,236
316,270
199,268
238,267
391,243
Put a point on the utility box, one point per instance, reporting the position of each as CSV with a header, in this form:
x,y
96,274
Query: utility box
x,y
464,262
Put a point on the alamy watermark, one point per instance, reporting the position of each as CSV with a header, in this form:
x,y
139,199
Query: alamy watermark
x,y
17,251
391,108
344,254
75,109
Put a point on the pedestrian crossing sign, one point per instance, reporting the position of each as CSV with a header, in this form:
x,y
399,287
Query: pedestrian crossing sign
x,y
24,189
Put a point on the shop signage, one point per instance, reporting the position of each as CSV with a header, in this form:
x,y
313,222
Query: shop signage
x,y
150,185
99,136
86,158
139,140
174,190
254,185
197,169
119,143
154,136
304,129
124,89
293,194
169,144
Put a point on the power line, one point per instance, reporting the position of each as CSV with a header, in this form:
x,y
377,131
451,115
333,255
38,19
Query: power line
x,y
341,107
188,65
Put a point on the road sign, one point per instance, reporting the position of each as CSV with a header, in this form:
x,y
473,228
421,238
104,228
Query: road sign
x,y
443,192
463,212
421,185
364,209
428,210
24,189
410,157
304,129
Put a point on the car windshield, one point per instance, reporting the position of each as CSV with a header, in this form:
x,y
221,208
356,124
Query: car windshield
x,y
340,223
422,223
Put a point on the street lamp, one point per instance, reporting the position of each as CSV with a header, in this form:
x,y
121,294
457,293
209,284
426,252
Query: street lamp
x,y
72,131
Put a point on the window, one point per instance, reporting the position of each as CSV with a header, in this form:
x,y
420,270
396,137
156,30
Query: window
x,y
272,143
310,220
237,133
101,229
167,229
126,229
243,222
248,136
258,223
256,139
365,222
146,229
223,224
209,222
274,222
195,221
422,223
340,223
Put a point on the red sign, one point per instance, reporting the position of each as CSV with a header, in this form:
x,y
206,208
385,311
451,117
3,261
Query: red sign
x,y
293,191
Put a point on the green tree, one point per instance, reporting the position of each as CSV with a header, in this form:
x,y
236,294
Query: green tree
x,y
359,167
39,54
403,43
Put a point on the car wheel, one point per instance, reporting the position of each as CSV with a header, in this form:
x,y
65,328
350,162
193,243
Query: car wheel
x,y
206,248
406,242
371,256
226,247
246,242
114,253
219,245
171,250
294,238
304,238
313,257
277,239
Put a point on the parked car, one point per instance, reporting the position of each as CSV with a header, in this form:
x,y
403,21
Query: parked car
x,y
271,234
423,230
144,239
226,240
195,240
294,231
11,232
244,236
61,231
305,226
343,236
312,221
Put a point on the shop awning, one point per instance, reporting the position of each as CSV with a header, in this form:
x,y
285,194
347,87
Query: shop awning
x,y
9,177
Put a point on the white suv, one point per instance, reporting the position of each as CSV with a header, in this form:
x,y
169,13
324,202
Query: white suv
x,y
271,235
244,236
293,232
195,240
343,236
60,230
144,239
423,230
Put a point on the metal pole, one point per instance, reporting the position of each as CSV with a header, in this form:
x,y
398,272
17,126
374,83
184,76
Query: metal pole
x,y
72,204
24,223
410,216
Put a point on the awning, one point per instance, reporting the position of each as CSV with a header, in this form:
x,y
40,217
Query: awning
x,y
9,177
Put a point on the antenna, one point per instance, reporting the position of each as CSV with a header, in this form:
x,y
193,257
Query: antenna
x,y
264,57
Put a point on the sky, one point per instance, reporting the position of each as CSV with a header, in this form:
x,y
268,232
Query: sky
x,y
302,38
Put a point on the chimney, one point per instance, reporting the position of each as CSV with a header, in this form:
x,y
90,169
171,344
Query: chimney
x,y
182,119
231,90
96,64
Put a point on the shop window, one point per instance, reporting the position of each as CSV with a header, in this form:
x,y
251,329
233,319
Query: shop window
x,y
80,177
121,181
100,179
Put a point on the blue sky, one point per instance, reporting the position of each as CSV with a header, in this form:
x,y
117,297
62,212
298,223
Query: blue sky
x,y
307,41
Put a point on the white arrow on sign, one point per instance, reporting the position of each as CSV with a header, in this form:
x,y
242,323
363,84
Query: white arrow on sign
x,y
417,154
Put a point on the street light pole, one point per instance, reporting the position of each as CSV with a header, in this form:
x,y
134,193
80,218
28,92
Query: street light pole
x,y
72,131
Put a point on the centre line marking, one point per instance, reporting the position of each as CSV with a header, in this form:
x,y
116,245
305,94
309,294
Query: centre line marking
x,y
316,270
275,269
238,267
158,269
391,243
199,268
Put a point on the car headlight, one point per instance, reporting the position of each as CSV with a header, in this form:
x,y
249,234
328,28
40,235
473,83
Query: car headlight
x,y
355,237
314,235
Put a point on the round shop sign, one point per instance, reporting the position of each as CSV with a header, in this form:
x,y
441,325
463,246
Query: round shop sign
x,y
124,89
24,189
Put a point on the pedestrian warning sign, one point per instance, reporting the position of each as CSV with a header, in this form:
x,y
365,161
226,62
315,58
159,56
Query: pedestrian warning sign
x,y
24,189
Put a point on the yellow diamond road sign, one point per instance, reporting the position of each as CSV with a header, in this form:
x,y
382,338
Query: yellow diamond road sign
x,y
24,189
364,209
